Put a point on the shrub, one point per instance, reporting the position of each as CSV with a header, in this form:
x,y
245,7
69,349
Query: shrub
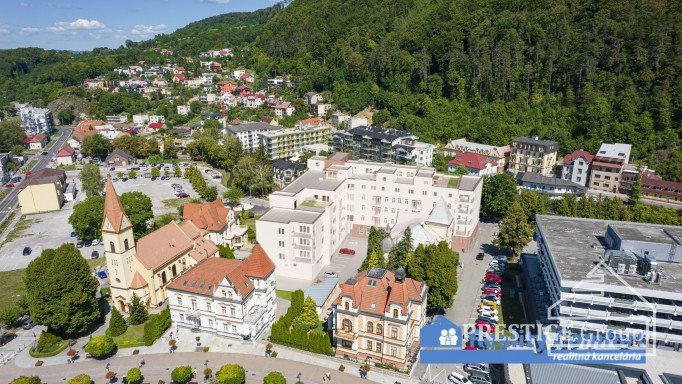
x,y
138,312
100,346
207,372
134,376
80,379
156,326
117,324
274,378
47,341
230,374
27,380
342,368
284,332
182,374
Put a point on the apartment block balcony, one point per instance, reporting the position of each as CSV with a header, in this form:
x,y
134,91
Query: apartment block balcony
x,y
636,305
344,334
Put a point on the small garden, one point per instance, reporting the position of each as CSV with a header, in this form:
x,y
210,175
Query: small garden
x,y
48,345
140,328
301,328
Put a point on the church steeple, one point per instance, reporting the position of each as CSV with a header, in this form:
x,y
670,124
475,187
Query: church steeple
x,y
115,218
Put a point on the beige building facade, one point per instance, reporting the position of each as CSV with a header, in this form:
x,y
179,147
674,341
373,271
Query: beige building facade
x,y
42,191
533,155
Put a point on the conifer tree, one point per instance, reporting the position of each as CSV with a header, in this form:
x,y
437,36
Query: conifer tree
x,y
138,312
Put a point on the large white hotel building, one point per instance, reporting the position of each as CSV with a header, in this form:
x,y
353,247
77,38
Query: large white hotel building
x,y
309,218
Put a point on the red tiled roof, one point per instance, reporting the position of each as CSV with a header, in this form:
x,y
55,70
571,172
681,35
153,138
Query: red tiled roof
x,y
569,158
180,76
172,240
258,264
138,281
156,125
113,209
66,151
470,160
205,277
209,216
39,138
377,296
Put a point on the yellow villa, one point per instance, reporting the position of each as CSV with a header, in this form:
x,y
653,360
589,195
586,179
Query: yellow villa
x,y
146,268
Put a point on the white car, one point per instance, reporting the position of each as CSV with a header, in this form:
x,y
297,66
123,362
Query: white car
x,y
477,367
95,242
458,378
486,309
490,314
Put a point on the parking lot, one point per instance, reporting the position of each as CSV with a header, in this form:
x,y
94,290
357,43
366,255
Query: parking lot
x,y
52,229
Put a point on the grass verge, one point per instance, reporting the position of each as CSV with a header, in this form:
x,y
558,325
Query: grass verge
x,y
54,351
18,232
282,294
133,337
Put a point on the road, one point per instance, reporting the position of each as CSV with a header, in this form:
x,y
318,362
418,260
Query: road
x,y
10,201
623,197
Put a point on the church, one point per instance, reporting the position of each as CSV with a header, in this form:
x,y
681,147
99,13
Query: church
x,y
145,268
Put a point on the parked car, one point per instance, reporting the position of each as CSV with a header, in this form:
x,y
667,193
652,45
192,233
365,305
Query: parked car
x,y
87,243
96,242
477,367
10,185
94,255
347,251
484,326
73,234
501,258
112,168
458,378
491,285
480,256
217,176
28,324
487,319
27,251
490,302
183,195
44,153
102,275
79,244
483,309
6,338
479,377
492,291
494,278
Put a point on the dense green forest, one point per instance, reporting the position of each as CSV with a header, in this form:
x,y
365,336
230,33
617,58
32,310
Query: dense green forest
x,y
579,72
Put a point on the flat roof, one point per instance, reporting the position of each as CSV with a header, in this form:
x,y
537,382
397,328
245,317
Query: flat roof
x,y
321,288
286,216
576,244
571,373
312,179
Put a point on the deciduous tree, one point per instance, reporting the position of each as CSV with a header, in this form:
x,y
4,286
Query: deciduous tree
x,y
91,179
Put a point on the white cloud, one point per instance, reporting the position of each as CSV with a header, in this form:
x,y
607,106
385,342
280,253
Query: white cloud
x,y
217,1
28,30
23,4
78,24
4,29
148,30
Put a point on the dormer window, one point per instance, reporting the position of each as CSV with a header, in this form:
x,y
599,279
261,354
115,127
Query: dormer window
x,y
395,313
346,306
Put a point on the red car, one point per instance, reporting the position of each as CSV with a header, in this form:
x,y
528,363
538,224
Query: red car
x,y
347,251
183,195
494,278
491,291
10,185
485,327
469,347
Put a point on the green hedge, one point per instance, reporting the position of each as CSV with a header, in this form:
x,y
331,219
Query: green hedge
x,y
156,326
47,341
284,333
80,379
100,346
182,374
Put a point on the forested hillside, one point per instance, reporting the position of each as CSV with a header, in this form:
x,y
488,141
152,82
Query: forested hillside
x,y
579,72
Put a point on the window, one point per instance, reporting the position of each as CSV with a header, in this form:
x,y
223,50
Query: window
x,y
194,305
208,306
179,300
111,247
370,328
280,243
395,313
394,351
125,244
369,345
224,310
346,325
280,231
394,332
234,329
163,277
380,329
378,347
210,323
232,312
281,256
346,306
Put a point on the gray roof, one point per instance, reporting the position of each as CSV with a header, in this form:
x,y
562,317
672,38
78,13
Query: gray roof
x,y
121,153
440,214
549,145
321,288
571,374
255,126
379,133
536,178
312,179
283,164
286,216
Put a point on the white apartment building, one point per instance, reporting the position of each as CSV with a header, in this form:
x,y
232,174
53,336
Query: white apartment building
x,y
36,120
309,218
250,133
288,142
183,110
228,297
576,167
148,119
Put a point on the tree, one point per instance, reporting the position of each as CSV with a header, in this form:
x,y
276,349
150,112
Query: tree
x,y
80,379
233,196
138,312
134,376
499,192
182,374
440,162
27,380
307,319
117,324
533,204
398,254
274,378
435,264
66,116
86,218
230,374
253,176
132,174
155,172
100,346
170,151
138,207
233,150
91,180
515,232
177,172
210,194
11,134
461,170
374,260
225,252
17,150
96,146
636,190
61,291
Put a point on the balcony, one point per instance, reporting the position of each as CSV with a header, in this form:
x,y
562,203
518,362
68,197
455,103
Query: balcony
x,y
346,335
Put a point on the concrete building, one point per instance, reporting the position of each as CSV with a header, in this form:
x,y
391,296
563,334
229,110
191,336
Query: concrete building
x,y
608,274
36,120
309,218
576,167
147,267
288,142
546,185
378,316
42,191
219,222
250,133
374,143
230,298
607,167
654,188
499,154
533,155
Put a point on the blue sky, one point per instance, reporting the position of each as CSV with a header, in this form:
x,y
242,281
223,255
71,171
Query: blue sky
x,y
86,24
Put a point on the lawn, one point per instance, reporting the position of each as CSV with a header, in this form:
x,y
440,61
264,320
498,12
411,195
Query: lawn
x,y
510,309
173,204
133,337
5,223
18,232
57,349
30,165
453,182
70,167
4,192
282,294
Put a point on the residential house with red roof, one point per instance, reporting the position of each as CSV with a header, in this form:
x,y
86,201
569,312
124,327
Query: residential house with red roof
x,y
475,163
37,142
219,222
146,267
378,316
227,297
179,78
66,155
283,109
576,167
